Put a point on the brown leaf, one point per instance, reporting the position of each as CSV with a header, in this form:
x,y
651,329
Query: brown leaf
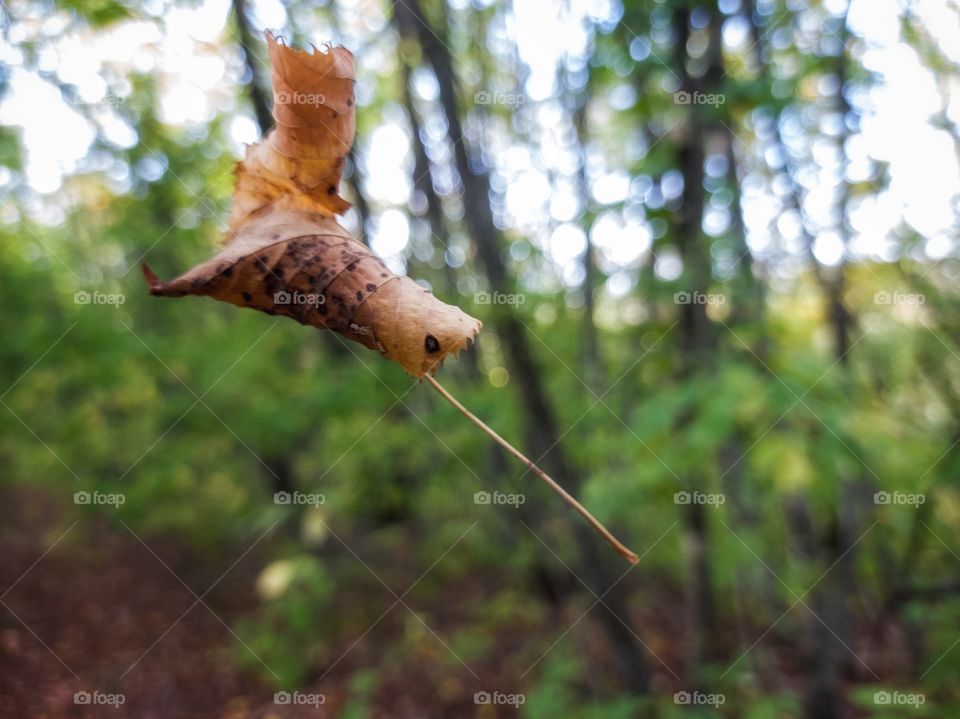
x,y
298,164
286,255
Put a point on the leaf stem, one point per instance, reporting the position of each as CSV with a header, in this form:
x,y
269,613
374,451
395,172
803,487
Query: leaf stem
x,y
567,497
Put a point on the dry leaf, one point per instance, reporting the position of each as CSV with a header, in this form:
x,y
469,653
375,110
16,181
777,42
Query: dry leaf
x,y
286,254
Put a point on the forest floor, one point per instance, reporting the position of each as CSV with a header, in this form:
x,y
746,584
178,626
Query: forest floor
x,y
91,607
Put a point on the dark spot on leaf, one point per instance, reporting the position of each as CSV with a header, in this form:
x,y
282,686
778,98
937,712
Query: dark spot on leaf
x,y
349,102
359,296
352,266
383,274
371,287
332,190
430,344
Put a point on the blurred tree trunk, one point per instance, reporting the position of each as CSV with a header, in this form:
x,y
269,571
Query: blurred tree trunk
x,y
258,97
833,285
422,175
546,580
697,340
590,353
422,178
354,177
827,658
353,174
596,563
754,585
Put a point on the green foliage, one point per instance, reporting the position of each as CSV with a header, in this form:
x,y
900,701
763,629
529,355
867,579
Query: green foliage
x,y
558,694
98,13
198,413
296,603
